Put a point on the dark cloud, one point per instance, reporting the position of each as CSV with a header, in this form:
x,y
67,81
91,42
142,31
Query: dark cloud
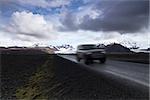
x,y
69,22
118,15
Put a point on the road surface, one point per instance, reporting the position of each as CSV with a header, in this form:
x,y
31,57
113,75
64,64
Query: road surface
x,y
132,73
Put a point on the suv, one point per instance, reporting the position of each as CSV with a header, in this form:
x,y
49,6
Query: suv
x,y
90,52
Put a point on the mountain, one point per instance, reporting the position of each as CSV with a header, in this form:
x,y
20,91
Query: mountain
x,y
66,48
116,48
111,48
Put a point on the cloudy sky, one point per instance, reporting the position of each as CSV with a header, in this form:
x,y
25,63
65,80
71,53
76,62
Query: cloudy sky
x,y
56,22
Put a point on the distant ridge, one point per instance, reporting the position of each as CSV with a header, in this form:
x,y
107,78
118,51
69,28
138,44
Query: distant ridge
x,y
114,48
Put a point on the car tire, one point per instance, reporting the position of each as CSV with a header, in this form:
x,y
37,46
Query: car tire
x,y
78,59
91,61
102,60
86,61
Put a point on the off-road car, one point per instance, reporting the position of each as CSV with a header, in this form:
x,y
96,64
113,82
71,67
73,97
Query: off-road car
x,y
90,52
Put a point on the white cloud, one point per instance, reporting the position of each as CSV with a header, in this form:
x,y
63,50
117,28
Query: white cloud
x,y
85,37
74,20
141,39
86,11
79,37
9,40
89,11
29,26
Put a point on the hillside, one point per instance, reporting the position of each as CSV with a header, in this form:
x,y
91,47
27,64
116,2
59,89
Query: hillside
x,y
116,48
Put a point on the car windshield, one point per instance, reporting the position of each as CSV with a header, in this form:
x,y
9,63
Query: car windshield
x,y
87,47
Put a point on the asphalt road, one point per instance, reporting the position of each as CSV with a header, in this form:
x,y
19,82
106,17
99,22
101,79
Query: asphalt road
x,y
134,74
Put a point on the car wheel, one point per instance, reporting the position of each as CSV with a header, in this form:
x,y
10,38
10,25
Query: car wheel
x,y
91,61
102,60
86,61
78,59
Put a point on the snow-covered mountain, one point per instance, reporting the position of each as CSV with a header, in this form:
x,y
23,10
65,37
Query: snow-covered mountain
x,y
112,47
65,49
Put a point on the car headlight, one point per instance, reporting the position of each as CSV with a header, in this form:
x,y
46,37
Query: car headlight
x,y
89,53
103,52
